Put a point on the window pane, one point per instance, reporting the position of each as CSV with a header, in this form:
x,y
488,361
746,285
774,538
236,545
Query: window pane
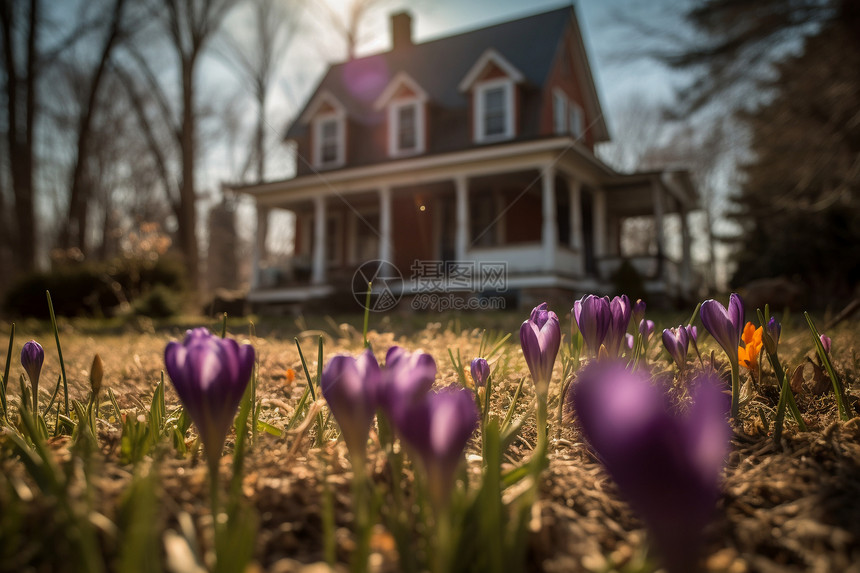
x,y
494,111
560,112
329,133
406,132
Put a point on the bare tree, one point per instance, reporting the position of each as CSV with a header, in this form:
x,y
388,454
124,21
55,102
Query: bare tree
x,y
189,25
74,232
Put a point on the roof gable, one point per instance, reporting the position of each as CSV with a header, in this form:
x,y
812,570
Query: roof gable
x,y
323,102
493,62
529,45
402,86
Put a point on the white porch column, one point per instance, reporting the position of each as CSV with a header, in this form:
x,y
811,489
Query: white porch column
x,y
259,244
549,236
659,211
686,258
574,188
319,256
385,244
461,241
598,212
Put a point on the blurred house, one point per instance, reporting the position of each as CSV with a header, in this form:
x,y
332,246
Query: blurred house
x,y
461,153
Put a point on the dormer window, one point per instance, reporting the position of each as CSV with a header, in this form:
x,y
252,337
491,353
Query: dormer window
x,y
495,113
405,103
492,81
327,119
329,141
405,127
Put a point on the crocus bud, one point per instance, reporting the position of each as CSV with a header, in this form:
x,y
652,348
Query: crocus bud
x,y
437,429
480,371
646,329
770,335
540,337
96,374
350,386
826,342
629,340
725,325
666,464
406,378
210,375
638,311
32,358
592,315
677,343
619,313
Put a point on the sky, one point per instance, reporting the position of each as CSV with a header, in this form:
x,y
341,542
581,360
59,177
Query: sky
x,y
620,72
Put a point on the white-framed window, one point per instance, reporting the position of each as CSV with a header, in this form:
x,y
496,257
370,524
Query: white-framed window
x,y
329,140
406,127
559,112
577,119
494,110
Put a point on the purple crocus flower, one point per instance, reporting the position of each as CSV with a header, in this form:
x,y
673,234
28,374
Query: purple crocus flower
x,y
406,378
667,465
350,386
692,333
725,325
540,337
619,311
638,311
437,429
32,358
480,371
592,316
826,342
646,329
770,335
210,375
677,342
629,340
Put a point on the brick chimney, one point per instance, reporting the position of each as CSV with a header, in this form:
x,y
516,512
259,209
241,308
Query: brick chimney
x,y
401,30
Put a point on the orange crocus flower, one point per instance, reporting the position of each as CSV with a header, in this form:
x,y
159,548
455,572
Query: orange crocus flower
x,y
748,354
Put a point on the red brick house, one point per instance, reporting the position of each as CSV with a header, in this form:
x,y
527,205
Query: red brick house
x,y
476,148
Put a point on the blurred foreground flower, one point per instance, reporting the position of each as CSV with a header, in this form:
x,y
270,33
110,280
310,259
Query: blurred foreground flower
x,y
480,371
437,428
540,337
592,316
350,386
32,358
667,465
210,375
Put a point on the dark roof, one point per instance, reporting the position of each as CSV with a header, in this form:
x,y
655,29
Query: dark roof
x,y
438,66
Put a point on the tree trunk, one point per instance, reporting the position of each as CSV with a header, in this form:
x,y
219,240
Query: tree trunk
x,y
187,198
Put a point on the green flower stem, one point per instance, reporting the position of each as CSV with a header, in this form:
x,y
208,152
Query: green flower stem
x,y
444,540
363,525
786,397
539,458
215,507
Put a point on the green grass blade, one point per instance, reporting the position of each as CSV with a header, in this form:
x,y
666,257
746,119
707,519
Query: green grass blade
x,y
5,381
59,354
307,373
224,326
825,359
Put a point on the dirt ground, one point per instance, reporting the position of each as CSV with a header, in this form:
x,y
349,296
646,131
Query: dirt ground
x,y
792,506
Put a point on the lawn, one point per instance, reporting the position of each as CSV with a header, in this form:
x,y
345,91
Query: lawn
x,y
125,486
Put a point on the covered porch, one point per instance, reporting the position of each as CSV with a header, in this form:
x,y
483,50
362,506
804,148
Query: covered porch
x,y
553,215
